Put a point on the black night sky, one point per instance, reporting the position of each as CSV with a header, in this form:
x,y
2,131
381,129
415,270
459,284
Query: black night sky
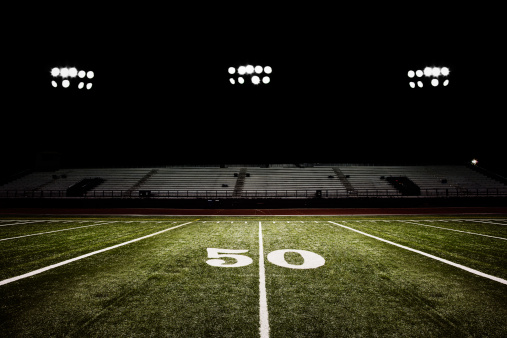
x,y
339,89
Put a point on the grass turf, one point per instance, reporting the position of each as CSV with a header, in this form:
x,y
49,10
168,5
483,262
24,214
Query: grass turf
x,y
162,286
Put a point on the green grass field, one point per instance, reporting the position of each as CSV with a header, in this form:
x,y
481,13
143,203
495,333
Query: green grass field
x,y
202,276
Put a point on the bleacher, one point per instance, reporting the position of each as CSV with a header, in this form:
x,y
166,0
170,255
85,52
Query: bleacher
x,y
322,181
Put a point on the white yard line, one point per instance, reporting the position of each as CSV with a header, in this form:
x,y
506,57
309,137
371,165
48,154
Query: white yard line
x,y
263,300
50,232
50,267
476,272
465,232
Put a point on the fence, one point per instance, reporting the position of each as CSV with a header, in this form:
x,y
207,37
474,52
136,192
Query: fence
x,y
253,194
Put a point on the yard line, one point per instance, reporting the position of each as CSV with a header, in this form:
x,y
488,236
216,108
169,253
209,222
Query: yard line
x,y
50,232
476,272
465,232
50,267
263,300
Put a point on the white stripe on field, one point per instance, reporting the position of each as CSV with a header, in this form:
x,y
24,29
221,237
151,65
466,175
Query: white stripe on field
x,y
263,300
476,272
465,232
479,221
50,232
18,223
36,272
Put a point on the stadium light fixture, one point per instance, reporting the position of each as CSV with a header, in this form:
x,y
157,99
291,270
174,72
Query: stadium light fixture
x,y
432,73
249,70
68,74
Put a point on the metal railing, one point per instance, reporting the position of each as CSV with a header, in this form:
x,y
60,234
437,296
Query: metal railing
x,y
252,194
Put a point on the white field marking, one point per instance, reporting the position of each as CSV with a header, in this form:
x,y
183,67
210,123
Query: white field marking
x,y
476,272
489,222
263,300
50,267
50,232
465,232
27,222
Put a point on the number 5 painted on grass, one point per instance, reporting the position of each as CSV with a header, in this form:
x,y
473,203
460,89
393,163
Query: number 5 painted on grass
x,y
311,259
216,254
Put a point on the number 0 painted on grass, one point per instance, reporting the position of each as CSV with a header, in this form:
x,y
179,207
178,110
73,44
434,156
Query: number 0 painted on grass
x,y
311,259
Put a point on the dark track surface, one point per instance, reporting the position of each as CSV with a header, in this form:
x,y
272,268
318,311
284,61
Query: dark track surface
x,y
256,212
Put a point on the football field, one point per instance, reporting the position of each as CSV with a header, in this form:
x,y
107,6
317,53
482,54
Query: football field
x,y
251,276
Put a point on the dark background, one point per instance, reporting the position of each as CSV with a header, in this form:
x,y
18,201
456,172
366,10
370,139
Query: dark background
x,y
339,89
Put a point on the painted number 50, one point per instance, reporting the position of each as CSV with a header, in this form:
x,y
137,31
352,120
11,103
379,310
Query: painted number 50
x,y
311,260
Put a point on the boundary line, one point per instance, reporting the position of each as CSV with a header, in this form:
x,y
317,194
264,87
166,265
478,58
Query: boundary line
x,y
476,272
50,267
465,232
263,300
50,232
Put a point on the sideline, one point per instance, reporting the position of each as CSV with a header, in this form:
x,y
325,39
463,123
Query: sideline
x,y
50,267
476,272
448,229
50,232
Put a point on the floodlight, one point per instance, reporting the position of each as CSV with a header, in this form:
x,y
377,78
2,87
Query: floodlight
x,y
267,70
444,71
242,70
435,72
255,80
65,83
231,80
428,71
434,82
446,82
249,69
90,74
80,85
73,72
419,84
258,69
419,73
55,72
266,79
81,74
241,80
232,70
411,73
474,161
412,85
64,72
54,84
88,86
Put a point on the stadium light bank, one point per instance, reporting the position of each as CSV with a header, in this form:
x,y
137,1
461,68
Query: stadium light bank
x,y
69,74
432,73
255,74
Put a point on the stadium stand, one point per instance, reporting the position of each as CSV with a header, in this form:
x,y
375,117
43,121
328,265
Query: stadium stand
x,y
316,181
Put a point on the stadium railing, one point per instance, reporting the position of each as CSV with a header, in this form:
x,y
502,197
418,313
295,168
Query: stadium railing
x,y
251,194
